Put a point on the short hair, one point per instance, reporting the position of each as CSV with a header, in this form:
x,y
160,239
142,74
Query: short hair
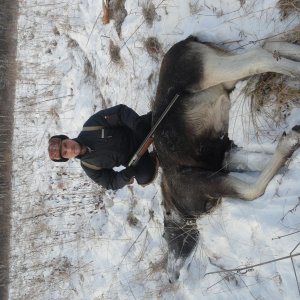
x,y
61,137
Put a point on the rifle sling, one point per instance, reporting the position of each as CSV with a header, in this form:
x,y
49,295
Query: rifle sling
x,y
88,165
92,128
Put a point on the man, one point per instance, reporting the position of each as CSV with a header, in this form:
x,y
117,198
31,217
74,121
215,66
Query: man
x,y
109,139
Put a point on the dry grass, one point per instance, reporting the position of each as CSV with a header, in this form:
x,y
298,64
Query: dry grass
x,y
149,13
159,266
118,13
153,47
88,69
272,96
72,43
195,7
132,220
105,8
288,7
56,31
114,52
293,36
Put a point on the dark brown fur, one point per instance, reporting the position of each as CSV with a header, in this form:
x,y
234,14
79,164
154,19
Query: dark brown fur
x,y
192,140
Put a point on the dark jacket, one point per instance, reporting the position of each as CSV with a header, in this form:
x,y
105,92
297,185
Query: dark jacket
x,y
113,145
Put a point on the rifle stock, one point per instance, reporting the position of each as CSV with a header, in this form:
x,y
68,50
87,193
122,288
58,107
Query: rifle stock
x,y
141,151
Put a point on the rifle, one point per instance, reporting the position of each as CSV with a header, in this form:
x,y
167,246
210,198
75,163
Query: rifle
x,y
149,138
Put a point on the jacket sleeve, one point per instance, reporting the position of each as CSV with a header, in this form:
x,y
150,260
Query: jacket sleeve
x,y
109,178
120,115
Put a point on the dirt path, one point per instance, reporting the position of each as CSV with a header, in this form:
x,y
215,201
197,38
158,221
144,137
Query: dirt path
x,y
8,38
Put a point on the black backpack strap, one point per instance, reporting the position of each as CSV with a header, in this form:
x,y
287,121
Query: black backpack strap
x,y
92,128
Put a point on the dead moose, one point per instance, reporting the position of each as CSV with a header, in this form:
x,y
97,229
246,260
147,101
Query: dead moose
x,y
192,140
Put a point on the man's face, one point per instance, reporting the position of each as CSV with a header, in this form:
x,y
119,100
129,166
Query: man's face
x,y
63,148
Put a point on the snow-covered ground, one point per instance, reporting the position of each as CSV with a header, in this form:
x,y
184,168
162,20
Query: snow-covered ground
x,y
73,240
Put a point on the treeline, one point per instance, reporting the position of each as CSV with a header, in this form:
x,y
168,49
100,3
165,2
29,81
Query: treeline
x,y
8,43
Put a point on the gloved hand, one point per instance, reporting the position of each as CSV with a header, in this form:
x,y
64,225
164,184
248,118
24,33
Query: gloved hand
x,y
130,172
131,181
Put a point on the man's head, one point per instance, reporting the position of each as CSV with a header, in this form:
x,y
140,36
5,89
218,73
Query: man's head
x,y
61,148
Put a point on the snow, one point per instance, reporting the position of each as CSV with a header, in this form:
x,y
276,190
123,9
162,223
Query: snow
x,y
71,239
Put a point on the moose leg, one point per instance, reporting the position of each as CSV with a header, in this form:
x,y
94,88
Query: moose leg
x,y
239,160
287,145
228,69
283,49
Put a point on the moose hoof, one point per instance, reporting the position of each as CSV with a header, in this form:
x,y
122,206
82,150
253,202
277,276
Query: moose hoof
x,y
296,128
289,142
174,277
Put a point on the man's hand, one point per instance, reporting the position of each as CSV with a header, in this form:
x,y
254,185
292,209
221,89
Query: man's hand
x,y
131,181
130,173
